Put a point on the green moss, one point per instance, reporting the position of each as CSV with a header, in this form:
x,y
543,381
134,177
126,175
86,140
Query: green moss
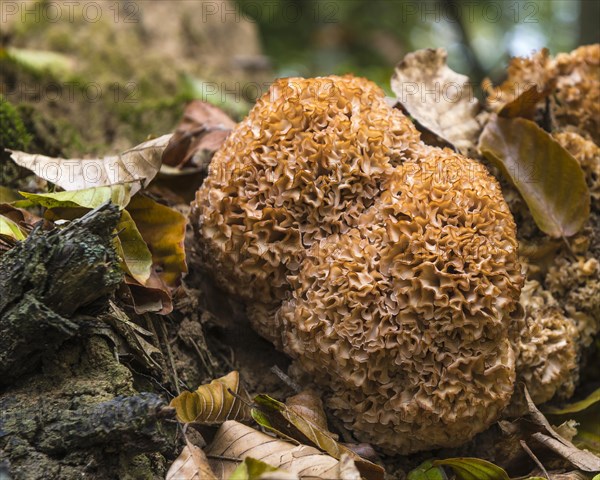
x,y
13,133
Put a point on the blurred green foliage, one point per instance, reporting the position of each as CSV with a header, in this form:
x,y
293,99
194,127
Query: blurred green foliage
x,y
367,37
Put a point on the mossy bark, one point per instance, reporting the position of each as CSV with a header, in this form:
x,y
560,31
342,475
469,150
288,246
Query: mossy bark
x,y
69,408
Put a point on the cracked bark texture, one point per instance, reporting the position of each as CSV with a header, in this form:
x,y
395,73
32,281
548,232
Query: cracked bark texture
x,y
69,409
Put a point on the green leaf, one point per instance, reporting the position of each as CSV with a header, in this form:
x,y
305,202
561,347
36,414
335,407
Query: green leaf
x,y
427,471
473,469
10,228
548,177
586,413
118,194
137,258
276,416
251,469
163,230
579,406
41,61
8,195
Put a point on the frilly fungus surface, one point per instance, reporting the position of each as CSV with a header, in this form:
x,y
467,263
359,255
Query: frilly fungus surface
x,y
386,268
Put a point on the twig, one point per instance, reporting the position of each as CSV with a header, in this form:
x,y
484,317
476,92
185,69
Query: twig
x,y
286,379
170,355
534,458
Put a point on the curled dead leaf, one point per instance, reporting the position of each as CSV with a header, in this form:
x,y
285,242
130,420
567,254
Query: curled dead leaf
x,y
213,404
15,223
139,165
198,136
439,100
525,104
133,250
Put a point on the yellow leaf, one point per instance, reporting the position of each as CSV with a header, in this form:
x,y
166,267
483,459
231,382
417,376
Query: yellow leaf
x,y
473,469
163,230
135,255
212,403
10,228
118,194
253,469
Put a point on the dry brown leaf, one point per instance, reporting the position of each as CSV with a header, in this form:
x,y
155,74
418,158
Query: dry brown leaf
x,y
238,441
525,105
199,135
277,417
548,177
348,470
191,464
439,100
309,406
212,404
139,164
133,336
153,296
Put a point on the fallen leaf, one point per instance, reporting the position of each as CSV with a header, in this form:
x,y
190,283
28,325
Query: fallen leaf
x,y
235,441
427,471
138,166
276,416
253,469
198,136
133,335
575,407
133,250
525,104
119,194
40,61
163,230
348,468
308,405
15,223
191,464
213,404
548,177
439,100
473,469
10,229
581,459
153,296
586,413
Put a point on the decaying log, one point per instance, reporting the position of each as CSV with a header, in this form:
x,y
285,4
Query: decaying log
x,y
46,280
